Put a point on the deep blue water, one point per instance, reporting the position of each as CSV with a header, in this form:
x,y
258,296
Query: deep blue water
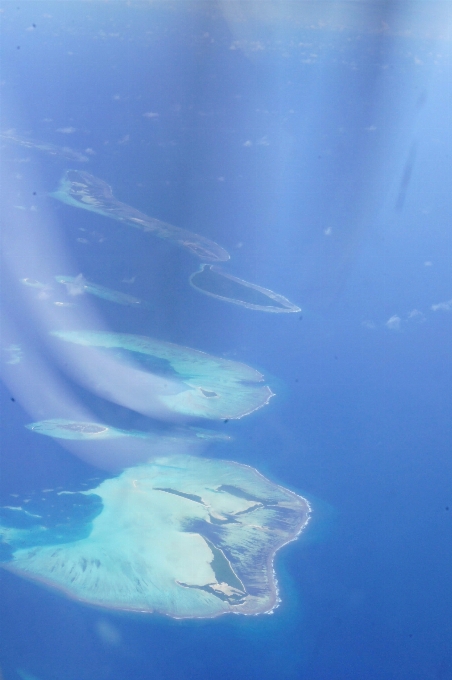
x,y
313,142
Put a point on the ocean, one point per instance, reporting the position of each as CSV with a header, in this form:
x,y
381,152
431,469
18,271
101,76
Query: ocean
x,y
311,141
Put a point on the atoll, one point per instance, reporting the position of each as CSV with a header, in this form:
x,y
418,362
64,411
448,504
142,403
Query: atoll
x,y
182,536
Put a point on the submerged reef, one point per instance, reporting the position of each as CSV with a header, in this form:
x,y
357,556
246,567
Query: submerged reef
x,y
218,284
13,355
51,149
182,536
78,285
32,283
24,675
82,190
47,517
210,387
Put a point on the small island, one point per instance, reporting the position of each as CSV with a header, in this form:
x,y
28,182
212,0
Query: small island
x,y
78,285
212,281
62,428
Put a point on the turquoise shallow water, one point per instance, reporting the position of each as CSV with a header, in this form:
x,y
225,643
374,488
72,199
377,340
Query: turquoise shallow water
x,y
311,142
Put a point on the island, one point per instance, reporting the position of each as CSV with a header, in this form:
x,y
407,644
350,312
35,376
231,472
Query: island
x,y
82,190
62,428
199,385
212,281
78,285
182,536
